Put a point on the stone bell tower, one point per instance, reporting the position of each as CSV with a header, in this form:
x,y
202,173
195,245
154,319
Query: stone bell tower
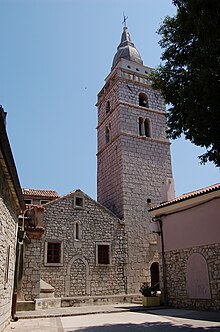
x,y
134,164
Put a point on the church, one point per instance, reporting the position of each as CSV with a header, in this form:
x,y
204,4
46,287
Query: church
x,y
78,247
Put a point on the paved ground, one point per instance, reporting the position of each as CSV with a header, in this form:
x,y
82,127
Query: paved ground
x,y
119,318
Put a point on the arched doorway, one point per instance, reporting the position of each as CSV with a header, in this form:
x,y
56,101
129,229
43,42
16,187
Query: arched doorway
x,y
154,273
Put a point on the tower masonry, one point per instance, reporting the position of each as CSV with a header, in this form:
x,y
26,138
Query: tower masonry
x,y
134,164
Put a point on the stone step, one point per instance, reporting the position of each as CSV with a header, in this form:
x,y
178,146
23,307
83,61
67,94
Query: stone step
x,y
25,305
137,300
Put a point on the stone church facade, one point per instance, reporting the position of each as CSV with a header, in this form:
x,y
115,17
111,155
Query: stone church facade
x,y
80,251
82,247
92,247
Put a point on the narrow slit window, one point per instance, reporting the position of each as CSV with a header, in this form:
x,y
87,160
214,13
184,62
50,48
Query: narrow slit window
x,y
107,134
107,107
77,231
140,126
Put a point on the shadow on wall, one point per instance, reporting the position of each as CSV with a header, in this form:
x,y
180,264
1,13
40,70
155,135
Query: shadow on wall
x,y
156,327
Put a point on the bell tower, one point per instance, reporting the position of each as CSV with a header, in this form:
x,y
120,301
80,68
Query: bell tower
x,y
134,164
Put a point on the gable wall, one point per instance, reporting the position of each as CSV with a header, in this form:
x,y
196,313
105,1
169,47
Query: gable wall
x,y
79,273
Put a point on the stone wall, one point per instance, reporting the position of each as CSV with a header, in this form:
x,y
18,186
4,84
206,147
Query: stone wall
x,y
176,267
8,234
78,273
30,279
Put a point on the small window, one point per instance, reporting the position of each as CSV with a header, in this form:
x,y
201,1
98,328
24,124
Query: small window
x,y
107,107
78,202
77,231
103,254
107,133
53,252
44,201
28,201
143,100
140,126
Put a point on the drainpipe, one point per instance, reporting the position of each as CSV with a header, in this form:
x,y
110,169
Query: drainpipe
x,y
20,238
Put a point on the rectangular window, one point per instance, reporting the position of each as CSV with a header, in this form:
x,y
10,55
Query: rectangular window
x,y
103,254
53,252
79,202
28,201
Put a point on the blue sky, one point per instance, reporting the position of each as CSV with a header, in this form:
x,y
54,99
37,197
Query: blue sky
x,y
54,58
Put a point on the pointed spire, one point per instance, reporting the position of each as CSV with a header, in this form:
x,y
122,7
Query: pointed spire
x,y
126,49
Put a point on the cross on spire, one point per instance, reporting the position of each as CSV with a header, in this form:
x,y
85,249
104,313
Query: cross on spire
x,y
125,19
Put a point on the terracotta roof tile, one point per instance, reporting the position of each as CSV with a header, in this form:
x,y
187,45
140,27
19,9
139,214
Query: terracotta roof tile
x,y
189,195
40,193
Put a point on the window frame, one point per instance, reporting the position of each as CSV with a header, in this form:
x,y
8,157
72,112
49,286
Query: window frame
x,y
46,263
77,206
45,201
144,127
104,244
28,199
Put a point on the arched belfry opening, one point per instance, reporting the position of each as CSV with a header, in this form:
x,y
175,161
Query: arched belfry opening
x,y
143,100
144,127
140,126
147,128
155,278
107,107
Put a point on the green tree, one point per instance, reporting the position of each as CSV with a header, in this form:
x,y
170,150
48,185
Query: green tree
x,y
189,76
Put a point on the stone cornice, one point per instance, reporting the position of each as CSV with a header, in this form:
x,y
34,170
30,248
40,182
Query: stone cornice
x,y
114,79
150,139
137,107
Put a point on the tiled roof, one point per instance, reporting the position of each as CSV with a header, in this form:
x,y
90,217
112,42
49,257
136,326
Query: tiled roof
x,y
189,195
40,193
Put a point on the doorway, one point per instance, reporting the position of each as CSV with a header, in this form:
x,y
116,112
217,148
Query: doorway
x,y
154,272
